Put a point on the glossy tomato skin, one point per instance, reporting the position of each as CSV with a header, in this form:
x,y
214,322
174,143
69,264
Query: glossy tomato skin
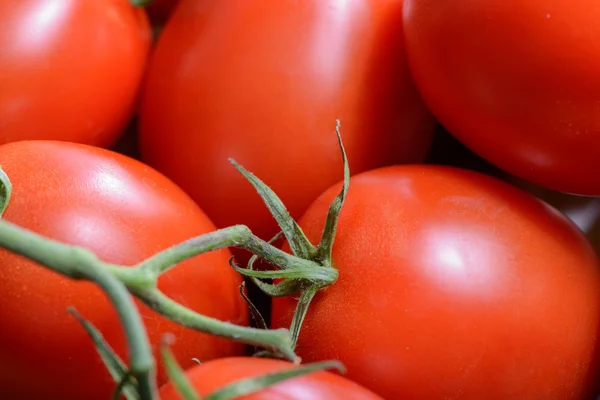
x,y
321,385
124,211
70,70
516,81
454,285
263,82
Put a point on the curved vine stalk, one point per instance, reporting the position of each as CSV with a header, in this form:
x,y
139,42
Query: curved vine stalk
x,y
77,262
307,270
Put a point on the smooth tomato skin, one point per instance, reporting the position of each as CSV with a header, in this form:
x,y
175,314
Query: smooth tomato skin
x,y
125,212
263,82
70,70
322,385
453,285
516,81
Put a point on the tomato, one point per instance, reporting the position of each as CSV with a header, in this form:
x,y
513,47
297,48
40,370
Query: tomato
x,y
263,82
125,212
70,70
515,81
453,284
321,385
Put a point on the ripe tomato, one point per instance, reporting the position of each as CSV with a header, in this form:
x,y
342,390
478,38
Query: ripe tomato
x,y
70,70
322,385
454,285
263,82
516,81
124,211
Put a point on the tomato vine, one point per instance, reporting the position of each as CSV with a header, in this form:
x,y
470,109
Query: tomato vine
x,y
307,270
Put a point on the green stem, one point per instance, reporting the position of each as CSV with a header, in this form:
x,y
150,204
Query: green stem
x,y
141,364
238,236
276,339
5,191
123,382
80,264
69,260
166,259
140,3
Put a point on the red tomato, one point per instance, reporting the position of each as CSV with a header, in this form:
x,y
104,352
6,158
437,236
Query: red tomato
x,y
321,385
263,82
70,69
516,81
124,211
454,285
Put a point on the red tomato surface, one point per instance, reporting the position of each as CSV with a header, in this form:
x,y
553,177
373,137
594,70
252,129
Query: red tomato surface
x,y
454,285
321,385
70,69
124,211
263,82
516,81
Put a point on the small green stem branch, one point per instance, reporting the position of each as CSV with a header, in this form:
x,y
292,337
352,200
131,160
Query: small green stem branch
x,y
277,340
76,263
238,236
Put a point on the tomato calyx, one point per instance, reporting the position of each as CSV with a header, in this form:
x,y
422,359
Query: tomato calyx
x,y
5,191
306,270
316,271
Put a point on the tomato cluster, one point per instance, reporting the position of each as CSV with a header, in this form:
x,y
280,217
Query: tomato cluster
x,y
458,259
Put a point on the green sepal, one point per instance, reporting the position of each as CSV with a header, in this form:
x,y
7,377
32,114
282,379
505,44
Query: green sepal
x,y
313,274
175,373
298,242
326,244
114,364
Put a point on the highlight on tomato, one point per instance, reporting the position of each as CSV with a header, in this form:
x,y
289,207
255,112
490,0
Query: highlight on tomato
x,y
262,82
453,284
70,70
516,81
124,212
